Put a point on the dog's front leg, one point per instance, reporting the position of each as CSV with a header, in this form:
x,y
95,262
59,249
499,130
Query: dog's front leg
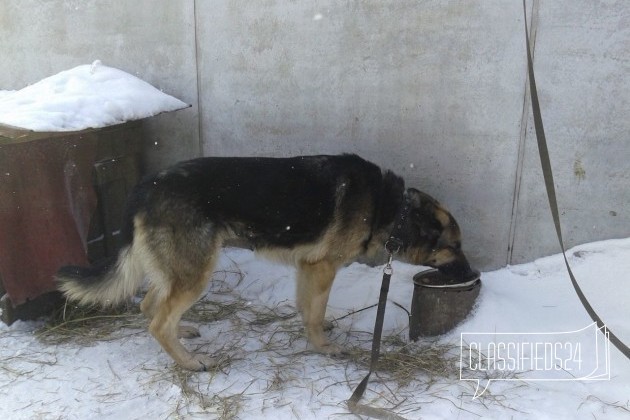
x,y
313,288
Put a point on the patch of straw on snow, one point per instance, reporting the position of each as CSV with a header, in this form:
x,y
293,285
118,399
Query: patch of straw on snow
x,y
269,344
195,400
406,362
89,325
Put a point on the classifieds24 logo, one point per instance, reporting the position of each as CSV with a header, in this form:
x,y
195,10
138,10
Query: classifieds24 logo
x,y
581,355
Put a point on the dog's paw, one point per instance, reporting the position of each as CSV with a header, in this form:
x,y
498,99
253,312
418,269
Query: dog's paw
x,y
187,331
331,349
328,325
199,363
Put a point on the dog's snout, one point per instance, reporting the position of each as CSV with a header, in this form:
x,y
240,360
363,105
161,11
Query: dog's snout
x,y
459,270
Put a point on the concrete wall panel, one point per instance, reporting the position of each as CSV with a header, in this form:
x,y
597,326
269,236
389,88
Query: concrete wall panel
x,y
432,90
582,64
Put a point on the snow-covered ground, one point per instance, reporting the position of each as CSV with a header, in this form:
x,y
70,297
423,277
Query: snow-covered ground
x,y
87,96
269,371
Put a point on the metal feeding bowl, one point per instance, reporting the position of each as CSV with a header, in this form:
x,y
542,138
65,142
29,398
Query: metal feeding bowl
x,y
440,302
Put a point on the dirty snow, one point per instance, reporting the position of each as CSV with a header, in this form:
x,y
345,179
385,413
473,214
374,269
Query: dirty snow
x,y
87,96
273,376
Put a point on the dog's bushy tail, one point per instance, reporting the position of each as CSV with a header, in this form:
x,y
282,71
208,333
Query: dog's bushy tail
x,y
106,284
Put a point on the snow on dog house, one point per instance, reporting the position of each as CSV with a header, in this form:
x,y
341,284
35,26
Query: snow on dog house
x,y
51,135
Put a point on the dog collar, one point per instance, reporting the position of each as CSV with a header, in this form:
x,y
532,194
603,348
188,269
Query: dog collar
x,y
399,236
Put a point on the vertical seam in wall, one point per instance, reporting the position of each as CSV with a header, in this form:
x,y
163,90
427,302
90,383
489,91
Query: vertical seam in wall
x,y
199,114
533,27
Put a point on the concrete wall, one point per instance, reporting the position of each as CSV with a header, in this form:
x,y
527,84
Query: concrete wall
x,y
433,89
583,74
433,92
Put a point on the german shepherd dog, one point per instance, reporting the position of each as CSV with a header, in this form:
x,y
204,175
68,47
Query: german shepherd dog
x,y
317,213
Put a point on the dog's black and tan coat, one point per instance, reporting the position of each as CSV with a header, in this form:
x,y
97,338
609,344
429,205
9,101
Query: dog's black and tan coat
x,y
317,213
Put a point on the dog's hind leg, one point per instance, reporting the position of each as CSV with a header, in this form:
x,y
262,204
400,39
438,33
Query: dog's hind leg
x,y
187,331
165,327
314,283
179,262
148,306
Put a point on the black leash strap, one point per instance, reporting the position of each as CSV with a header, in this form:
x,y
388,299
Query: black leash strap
x,y
551,193
353,402
392,246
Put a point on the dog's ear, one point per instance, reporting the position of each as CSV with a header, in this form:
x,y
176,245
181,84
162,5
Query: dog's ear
x,y
423,218
419,199
414,197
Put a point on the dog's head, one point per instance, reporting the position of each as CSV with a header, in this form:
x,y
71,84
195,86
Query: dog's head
x,y
434,238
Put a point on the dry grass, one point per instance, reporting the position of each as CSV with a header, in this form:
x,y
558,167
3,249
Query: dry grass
x,y
224,405
206,311
86,326
408,362
623,407
274,336
279,333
